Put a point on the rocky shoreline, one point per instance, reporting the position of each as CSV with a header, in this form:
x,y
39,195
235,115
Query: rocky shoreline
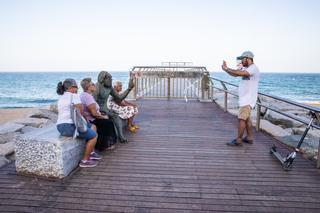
x,y
284,129
24,120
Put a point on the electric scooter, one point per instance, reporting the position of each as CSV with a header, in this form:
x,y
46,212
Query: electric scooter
x,y
287,161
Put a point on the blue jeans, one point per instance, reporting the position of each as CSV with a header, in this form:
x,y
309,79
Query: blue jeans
x,y
67,130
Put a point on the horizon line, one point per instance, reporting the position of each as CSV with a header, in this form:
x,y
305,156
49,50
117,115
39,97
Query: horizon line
x,y
82,71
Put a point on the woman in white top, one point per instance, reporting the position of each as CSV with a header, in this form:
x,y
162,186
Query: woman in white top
x,y
65,125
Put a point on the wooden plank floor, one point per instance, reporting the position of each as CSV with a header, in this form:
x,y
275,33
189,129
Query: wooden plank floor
x,y
177,162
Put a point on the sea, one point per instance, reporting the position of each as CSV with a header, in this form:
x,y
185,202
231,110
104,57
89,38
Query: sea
x,y
36,89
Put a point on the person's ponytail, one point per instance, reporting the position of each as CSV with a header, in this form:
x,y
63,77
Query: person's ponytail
x,y
60,88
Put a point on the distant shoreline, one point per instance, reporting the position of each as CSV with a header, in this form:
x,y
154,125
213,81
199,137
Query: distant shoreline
x,y
127,71
312,103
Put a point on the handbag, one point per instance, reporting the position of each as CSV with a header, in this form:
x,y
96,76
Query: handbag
x,y
79,121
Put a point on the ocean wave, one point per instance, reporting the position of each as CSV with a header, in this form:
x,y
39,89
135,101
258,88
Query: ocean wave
x,y
42,101
11,102
25,100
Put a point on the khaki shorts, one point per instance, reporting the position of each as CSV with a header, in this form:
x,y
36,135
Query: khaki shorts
x,y
244,112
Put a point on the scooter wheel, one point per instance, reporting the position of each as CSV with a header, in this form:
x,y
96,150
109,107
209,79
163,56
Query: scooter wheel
x,y
287,166
273,149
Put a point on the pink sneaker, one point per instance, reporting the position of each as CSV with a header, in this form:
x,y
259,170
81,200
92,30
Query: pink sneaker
x,y
87,163
95,156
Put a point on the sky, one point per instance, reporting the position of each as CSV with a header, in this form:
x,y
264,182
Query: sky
x,y
94,35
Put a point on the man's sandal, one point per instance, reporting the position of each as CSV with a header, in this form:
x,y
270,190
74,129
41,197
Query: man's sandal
x,y
234,143
245,140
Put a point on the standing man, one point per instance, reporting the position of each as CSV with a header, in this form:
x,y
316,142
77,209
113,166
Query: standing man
x,y
248,94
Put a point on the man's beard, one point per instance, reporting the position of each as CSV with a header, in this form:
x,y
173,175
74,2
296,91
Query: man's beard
x,y
245,64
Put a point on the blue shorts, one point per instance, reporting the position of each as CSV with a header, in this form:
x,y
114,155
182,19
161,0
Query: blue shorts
x,y
67,130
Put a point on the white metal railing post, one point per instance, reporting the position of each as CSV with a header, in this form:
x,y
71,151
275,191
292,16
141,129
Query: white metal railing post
x,y
168,92
258,115
135,90
318,161
225,97
205,87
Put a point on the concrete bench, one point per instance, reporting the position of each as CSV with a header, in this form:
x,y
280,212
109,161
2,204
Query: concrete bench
x,y
47,154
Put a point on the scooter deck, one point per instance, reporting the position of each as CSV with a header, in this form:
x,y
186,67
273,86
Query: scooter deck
x,y
277,154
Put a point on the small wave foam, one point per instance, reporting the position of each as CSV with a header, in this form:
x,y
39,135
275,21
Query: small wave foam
x,y
20,103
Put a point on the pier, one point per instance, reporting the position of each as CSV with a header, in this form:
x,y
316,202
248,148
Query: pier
x,y
177,162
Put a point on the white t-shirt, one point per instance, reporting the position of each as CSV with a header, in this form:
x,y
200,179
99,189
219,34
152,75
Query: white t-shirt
x,y
248,87
64,102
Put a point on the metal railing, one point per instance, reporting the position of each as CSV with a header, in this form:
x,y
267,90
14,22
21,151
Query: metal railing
x,y
191,87
259,105
157,87
168,81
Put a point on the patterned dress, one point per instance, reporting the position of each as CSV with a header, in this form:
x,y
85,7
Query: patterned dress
x,y
124,112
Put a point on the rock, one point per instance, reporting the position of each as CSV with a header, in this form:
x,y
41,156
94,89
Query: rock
x,y
272,129
33,122
233,102
254,115
11,157
3,161
7,148
280,105
311,154
289,130
28,129
293,140
10,127
234,112
282,120
5,138
45,153
54,107
313,134
283,107
299,112
218,95
46,114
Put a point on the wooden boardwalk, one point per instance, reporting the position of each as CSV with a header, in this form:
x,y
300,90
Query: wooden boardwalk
x,y
177,162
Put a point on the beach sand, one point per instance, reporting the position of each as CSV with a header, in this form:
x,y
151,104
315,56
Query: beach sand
x,y
7,115
313,103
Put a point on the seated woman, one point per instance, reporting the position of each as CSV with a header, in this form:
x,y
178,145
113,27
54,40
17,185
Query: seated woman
x,y
125,109
105,128
65,125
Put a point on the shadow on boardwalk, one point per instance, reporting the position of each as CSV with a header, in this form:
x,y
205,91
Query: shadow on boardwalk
x,y
177,162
